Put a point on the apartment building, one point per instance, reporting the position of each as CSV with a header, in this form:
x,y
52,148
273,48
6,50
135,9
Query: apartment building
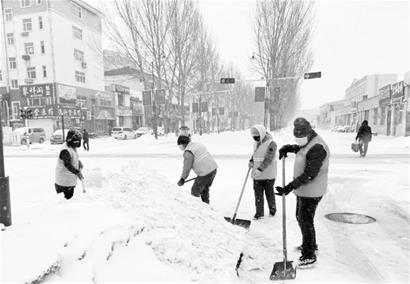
x,y
51,60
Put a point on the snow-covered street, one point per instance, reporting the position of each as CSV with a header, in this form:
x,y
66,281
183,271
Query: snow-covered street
x,y
134,224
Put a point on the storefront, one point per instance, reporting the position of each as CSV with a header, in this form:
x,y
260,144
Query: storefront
x,y
384,123
397,109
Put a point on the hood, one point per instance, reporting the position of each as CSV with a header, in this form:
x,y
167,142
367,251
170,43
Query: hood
x,y
259,129
365,123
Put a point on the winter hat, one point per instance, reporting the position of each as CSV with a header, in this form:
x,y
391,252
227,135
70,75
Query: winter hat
x,y
73,135
183,140
258,130
302,127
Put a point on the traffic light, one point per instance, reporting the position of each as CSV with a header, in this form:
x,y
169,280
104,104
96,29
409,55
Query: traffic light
x,y
312,75
227,80
260,94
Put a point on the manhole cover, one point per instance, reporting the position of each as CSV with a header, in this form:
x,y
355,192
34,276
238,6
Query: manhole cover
x,y
351,218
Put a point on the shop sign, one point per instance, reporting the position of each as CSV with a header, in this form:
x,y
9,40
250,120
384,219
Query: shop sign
x,y
66,95
397,90
46,111
35,91
121,89
385,95
69,111
105,114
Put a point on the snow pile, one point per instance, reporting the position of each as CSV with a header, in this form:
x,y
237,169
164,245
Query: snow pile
x,y
181,229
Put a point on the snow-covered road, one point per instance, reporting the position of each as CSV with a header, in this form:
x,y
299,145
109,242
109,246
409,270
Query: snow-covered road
x,y
182,236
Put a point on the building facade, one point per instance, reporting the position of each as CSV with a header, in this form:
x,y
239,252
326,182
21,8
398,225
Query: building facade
x,y
51,61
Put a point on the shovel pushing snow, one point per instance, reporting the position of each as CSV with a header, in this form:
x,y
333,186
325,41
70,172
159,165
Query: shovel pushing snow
x,y
285,269
240,222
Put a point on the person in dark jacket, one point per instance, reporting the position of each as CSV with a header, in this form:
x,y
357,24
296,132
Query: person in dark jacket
x,y
364,136
86,144
197,158
309,183
69,166
264,169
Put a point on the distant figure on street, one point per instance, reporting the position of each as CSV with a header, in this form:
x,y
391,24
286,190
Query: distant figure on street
x,y
197,158
86,144
264,170
69,166
364,136
309,183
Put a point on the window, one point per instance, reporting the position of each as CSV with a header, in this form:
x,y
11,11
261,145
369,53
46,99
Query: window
x,y
14,84
15,106
80,76
39,2
40,23
13,63
42,47
27,26
79,55
44,71
9,14
10,38
76,10
121,99
31,72
29,48
382,116
25,3
375,116
77,33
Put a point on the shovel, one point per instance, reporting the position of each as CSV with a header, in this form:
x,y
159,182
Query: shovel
x,y
285,269
82,184
240,222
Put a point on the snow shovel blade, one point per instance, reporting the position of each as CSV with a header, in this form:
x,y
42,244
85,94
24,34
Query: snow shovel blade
x,y
279,272
240,222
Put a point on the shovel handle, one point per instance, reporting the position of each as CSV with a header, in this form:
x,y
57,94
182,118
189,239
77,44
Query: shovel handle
x,y
240,196
191,179
285,254
82,184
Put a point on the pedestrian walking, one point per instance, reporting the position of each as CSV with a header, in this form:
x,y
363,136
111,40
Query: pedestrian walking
x,y
86,144
364,136
264,170
309,183
197,158
69,166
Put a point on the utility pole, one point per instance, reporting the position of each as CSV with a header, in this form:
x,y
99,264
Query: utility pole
x,y
200,113
5,210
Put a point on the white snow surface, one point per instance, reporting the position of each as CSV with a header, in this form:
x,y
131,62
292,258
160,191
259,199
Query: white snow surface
x,y
135,225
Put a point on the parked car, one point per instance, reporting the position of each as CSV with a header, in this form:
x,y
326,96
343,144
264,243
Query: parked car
x,y
143,130
32,134
57,137
123,133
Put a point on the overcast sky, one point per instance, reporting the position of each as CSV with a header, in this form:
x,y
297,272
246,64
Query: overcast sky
x,y
351,39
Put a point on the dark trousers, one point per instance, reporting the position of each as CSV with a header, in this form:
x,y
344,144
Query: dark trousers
x,y
363,145
305,214
260,186
86,145
201,186
67,190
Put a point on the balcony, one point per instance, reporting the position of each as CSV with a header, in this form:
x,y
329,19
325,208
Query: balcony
x,y
25,57
83,65
25,34
28,81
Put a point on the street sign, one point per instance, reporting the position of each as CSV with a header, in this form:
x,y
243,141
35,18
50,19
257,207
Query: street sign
x,y
260,94
227,80
312,75
160,97
146,98
195,107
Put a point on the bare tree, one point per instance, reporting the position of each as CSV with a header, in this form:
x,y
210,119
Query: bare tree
x,y
282,34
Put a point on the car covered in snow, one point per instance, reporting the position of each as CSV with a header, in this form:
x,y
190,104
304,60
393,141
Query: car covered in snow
x,y
57,136
123,133
143,131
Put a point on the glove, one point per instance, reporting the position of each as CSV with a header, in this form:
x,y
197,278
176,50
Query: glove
x,y
257,173
284,150
250,164
181,182
80,176
283,190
